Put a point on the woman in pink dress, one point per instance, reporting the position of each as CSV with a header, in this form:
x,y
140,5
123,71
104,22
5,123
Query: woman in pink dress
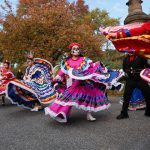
x,y
83,93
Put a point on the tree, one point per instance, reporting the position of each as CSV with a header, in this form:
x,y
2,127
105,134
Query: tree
x,y
112,59
46,26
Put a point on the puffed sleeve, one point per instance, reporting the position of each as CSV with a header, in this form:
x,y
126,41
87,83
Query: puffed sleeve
x,y
8,75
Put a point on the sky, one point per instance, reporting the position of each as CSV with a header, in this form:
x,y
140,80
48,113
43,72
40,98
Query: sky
x,y
115,8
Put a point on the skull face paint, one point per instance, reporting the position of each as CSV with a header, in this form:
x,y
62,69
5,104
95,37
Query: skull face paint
x,y
75,50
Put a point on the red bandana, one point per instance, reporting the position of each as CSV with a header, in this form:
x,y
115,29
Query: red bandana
x,y
73,44
132,57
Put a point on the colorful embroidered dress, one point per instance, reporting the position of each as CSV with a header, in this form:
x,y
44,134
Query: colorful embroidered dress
x,y
131,38
8,76
137,100
85,89
145,74
36,86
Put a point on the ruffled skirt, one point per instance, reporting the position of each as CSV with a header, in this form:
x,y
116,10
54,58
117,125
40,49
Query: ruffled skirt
x,y
27,95
137,100
86,95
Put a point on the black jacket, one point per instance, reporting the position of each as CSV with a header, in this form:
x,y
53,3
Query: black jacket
x,y
132,68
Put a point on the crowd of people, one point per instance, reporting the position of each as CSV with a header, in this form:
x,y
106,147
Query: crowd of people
x,y
80,83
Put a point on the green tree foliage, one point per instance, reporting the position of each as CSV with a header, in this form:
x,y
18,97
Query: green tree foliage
x,y
112,59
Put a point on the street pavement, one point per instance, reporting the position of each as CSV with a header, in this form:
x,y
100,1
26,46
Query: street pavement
x,y
21,129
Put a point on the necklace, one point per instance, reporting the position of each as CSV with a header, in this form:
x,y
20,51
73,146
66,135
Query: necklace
x,y
79,67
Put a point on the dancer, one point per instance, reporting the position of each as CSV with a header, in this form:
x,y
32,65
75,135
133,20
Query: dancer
x,y
6,76
137,101
145,73
134,39
132,66
85,87
131,38
36,88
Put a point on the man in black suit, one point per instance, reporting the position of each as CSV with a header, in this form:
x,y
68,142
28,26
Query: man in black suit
x,y
132,66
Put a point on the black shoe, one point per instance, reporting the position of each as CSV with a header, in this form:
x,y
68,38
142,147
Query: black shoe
x,y
122,116
147,114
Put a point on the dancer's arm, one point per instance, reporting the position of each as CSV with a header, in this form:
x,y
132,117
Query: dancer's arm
x,y
7,76
59,77
101,67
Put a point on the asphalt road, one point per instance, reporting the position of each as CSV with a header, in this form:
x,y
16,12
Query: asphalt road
x,y
21,129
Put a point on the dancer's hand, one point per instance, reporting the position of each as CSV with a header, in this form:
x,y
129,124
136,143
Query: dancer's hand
x,y
2,78
111,36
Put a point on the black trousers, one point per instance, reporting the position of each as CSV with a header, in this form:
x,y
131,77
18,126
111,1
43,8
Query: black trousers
x,y
130,86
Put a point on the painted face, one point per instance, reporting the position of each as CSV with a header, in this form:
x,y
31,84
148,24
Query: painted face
x,y
5,65
75,50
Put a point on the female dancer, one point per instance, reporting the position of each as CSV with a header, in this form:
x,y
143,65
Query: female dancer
x,y
83,89
6,76
36,87
137,100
